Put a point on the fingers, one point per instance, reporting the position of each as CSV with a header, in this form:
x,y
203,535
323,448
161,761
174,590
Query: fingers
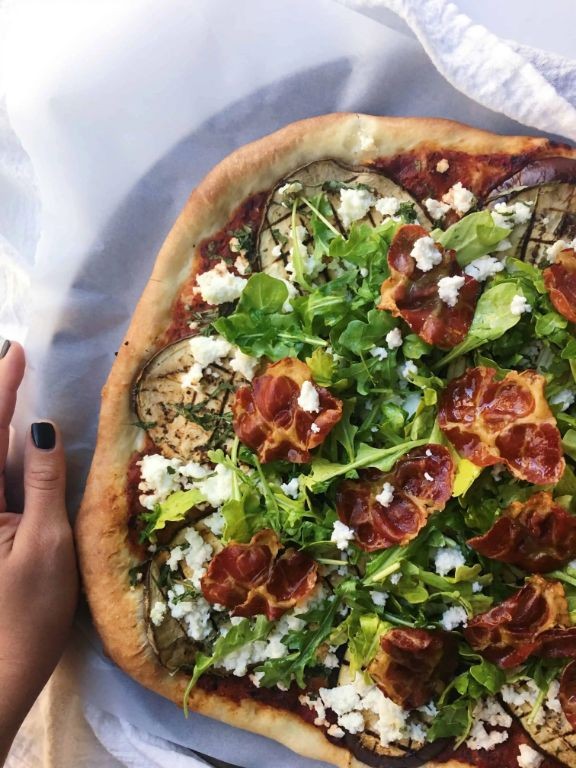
x,y
11,372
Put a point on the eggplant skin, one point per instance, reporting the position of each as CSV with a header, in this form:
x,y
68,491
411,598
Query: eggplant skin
x,y
367,749
543,171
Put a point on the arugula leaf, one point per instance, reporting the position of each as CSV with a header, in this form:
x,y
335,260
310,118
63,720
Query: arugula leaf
x,y
363,643
453,720
364,243
322,365
473,236
491,320
170,511
361,336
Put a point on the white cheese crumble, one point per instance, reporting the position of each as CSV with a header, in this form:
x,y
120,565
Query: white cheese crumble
x,y
157,612
386,495
476,587
218,285
234,245
243,364
508,216
519,305
395,578
380,352
291,488
459,198
483,268
379,598
241,264
296,239
442,165
341,535
217,487
394,338
215,523
488,712
454,617
194,613
288,192
565,398
436,208
556,248
448,559
205,350
354,205
387,206
528,757
159,478
309,399
408,369
314,428
448,289
425,254
196,556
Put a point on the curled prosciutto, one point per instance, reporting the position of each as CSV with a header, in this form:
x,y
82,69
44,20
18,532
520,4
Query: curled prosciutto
x,y
385,509
537,535
413,666
252,579
509,421
516,628
418,270
560,282
283,414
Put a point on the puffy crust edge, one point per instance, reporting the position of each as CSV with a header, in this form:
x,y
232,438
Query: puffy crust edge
x,y
104,554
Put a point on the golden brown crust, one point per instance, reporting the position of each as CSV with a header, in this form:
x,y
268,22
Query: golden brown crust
x,y
101,531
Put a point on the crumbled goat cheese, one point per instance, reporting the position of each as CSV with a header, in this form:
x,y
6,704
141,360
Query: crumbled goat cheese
x,y
205,350
508,216
395,578
408,369
488,712
353,722
425,254
435,208
336,732
241,264
314,428
454,617
277,251
476,587
234,245
564,398
363,272
379,598
341,535
386,495
519,695
572,564
219,286
503,245
387,206
483,268
158,612
217,487
330,661
354,205
442,165
556,248
417,732
459,198
519,305
255,678
552,701
243,364
380,352
289,192
176,556
192,376
448,559
194,613
528,757
296,240
158,479
448,289
394,338
309,399
191,472
291,488
215,523
198,553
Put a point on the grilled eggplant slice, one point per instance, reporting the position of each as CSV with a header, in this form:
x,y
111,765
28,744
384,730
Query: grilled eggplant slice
x,y
551,732
329,177
184,422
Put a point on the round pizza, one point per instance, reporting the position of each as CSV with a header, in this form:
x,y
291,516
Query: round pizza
x,y
333,497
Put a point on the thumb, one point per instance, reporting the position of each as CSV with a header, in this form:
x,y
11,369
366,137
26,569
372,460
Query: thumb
x,y
44,478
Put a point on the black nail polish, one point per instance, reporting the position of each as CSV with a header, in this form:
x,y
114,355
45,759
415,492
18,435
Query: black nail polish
x,y
4,348
43,435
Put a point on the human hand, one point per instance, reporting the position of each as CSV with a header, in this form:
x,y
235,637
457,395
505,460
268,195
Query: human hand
x,y
38,574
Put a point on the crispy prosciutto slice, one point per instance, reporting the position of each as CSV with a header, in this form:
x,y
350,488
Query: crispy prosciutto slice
x,y
269,419
421,484
508,421
251,578
413,666
537,535
412,294
560,282
516,628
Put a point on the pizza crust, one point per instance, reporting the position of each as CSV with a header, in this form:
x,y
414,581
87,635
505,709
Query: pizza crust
x,y
105,557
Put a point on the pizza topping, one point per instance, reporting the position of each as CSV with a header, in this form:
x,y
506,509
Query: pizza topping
x,y
394,338
508,216
275,415
490,422
409,498
449,287
488,712
354,205
251,578
218,285
387,206
413,666
459,198
560,282
568,693
513,630
528,757
483,268
435,208
448,559
553,251
519,305
537,535
442,165
417,265
341,535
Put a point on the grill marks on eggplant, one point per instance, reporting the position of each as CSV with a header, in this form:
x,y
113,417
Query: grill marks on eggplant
x,y
275,228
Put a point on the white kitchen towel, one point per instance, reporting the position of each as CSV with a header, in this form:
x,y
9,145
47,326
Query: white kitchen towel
x,y
532,86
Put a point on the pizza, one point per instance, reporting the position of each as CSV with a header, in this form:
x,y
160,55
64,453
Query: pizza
x,y
332,499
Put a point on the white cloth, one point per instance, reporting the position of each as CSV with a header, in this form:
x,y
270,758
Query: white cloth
x,y
122,109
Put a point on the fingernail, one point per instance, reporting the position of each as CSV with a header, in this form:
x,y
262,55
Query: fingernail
x,y
43,435
4,348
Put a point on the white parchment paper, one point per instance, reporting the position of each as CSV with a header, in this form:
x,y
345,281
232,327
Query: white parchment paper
x,y
122,108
